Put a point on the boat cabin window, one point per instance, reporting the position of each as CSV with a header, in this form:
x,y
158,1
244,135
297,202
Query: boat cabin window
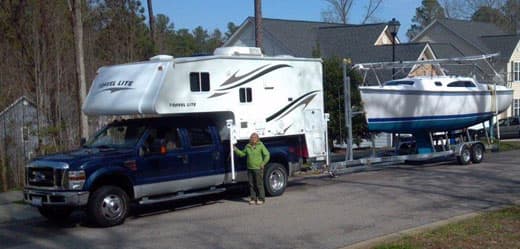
x,y
199,82
438,83
398,82
461,83
246,94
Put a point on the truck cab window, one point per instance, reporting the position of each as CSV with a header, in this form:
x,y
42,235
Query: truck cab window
x,y
199,82
200,136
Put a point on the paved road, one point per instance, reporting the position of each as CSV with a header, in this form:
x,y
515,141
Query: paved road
x,y
315,212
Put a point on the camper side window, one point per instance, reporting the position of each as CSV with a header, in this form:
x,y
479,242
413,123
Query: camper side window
x,y
199,82
246,95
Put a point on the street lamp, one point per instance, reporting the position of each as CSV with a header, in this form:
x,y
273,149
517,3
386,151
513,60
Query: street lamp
x,y
393,27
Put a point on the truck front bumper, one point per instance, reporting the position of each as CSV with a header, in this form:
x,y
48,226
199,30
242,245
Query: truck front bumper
x,y
38,197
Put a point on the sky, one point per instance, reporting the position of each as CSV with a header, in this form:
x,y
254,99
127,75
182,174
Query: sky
x,y
212,14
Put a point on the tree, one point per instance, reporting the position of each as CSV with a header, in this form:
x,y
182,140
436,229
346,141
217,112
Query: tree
x,y
334,101
424,15
491,15
371,8
75,8
232,27
338,10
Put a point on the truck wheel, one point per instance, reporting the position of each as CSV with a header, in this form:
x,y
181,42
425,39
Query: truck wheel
x,y
477,153
108,206
275,179
55,214
465,155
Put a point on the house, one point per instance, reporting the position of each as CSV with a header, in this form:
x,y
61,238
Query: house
x,y
361,43
18,140
474,38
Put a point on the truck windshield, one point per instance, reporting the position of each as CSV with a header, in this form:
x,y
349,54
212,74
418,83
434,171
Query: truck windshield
x,y
117,136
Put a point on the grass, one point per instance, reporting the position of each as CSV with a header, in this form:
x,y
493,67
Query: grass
x,y
509,145
497,229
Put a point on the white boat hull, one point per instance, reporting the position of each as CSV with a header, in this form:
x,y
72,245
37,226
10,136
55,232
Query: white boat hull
x,y
410,111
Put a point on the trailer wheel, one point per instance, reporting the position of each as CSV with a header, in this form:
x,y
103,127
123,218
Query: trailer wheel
x,y
108,206
465,155
477,153
55,214
275,179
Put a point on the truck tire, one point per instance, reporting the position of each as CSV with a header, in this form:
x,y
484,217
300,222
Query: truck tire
x,y
275,179
108,206
55,214
465,155
477,153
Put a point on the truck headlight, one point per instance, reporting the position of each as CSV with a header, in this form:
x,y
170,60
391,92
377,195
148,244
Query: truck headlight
x,y
76,179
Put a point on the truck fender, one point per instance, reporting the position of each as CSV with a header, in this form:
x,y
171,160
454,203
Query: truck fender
x,y
111,172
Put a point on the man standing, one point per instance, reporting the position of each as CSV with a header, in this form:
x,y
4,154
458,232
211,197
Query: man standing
x,y
257,157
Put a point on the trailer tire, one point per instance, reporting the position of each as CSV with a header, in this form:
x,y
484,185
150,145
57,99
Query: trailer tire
x,y
108,206
477,153
55,214
465,155
275,179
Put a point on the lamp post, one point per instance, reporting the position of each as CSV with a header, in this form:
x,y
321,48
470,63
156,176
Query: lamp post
x,y
393,27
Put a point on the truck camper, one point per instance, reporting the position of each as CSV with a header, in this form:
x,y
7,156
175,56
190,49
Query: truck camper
x,y
192,110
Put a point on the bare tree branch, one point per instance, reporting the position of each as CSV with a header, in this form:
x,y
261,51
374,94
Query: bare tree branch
x,y
338,11
371,8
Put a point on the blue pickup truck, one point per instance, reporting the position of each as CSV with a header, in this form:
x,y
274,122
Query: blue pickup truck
x,y
146,161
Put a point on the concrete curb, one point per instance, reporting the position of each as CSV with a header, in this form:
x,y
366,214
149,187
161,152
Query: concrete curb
x,y
370,243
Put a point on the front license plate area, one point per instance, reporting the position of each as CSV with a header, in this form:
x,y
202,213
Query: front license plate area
x,y
36,201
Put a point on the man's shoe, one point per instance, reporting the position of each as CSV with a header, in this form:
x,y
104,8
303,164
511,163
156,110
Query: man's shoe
x,y
259,202
251,202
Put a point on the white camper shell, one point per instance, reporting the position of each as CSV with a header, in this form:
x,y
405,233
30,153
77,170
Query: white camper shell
x,y
273,96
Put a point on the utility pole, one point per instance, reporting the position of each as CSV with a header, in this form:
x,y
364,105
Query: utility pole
x,y
258,24
152,23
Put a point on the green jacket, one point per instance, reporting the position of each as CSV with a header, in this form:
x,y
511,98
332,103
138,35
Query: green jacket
x,y
257,157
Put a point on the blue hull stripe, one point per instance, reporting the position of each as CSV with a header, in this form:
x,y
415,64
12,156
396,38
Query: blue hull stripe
x,y
432,123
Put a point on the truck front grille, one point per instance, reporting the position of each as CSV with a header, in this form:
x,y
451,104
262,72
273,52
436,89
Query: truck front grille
x,y
45,177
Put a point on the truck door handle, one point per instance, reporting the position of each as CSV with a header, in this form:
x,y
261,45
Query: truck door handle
x,y
184,158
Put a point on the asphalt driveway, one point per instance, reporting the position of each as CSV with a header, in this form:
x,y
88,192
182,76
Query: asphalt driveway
x,y
316,212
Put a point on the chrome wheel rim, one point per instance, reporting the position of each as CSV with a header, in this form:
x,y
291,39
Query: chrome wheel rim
x,y
466,156
276,179
112,207
478,152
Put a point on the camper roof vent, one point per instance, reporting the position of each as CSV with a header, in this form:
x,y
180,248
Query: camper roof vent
x,y
234,51
162,57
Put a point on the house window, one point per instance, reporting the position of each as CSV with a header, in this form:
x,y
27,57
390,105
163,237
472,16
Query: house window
x,y
199,82
515,108
516,71
246,95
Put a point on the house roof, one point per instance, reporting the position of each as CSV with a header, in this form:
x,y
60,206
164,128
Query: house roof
x,y
357,42
470,31
445,50
503,44
15,103
297,37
